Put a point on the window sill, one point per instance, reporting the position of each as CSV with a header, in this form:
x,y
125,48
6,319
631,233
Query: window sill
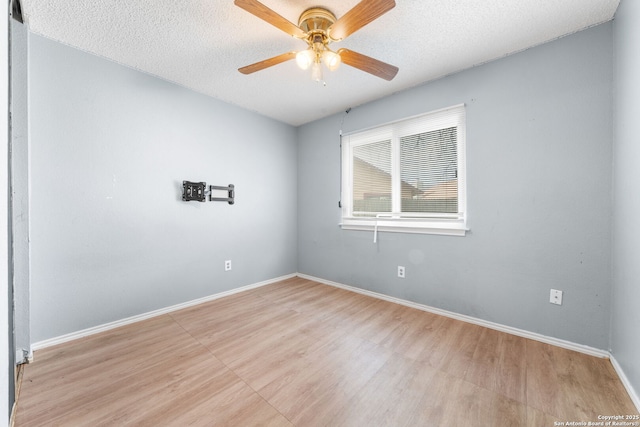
x,y
444,227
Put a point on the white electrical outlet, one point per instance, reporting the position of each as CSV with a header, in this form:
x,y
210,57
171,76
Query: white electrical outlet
x,y
227,265
401,272
555,297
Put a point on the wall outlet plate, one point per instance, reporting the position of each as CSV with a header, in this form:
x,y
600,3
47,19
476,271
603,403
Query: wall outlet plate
x,y
227,265
401,271
555,297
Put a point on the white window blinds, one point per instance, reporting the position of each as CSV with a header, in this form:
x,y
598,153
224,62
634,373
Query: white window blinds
x,y
407,170
372,185
429,171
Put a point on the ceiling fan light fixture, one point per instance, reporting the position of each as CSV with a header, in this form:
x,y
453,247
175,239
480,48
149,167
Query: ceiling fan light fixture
x,y
316,72
305,58
318,27
331,59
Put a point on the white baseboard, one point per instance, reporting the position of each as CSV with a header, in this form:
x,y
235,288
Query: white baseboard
x,y
469,319
491,325
112,325
635,398
633,394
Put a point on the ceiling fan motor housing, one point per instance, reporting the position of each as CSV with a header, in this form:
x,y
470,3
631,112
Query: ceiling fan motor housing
x,y
316,19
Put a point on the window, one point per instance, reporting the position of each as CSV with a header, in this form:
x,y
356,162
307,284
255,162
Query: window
x,y
407,176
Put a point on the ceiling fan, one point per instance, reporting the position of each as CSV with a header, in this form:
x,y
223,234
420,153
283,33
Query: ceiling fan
x,y
319,27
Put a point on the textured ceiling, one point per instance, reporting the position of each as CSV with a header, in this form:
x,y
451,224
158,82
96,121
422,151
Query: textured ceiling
x,y
200,44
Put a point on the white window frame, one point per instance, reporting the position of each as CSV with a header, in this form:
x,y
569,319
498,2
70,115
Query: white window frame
x,y
453,224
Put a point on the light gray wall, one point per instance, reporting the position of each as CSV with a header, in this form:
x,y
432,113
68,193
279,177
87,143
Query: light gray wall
x,y
7,365
20,184
539,153
111,238
625,308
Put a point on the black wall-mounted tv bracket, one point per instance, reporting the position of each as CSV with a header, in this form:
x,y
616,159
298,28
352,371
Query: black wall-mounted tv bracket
x,y
197,191
231,194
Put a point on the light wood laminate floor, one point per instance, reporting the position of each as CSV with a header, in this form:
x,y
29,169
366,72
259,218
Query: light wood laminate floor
x,y
306,354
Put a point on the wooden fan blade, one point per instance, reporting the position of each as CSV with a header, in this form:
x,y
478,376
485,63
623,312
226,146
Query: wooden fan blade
x,y
263,12
368,64
267,63
361,14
